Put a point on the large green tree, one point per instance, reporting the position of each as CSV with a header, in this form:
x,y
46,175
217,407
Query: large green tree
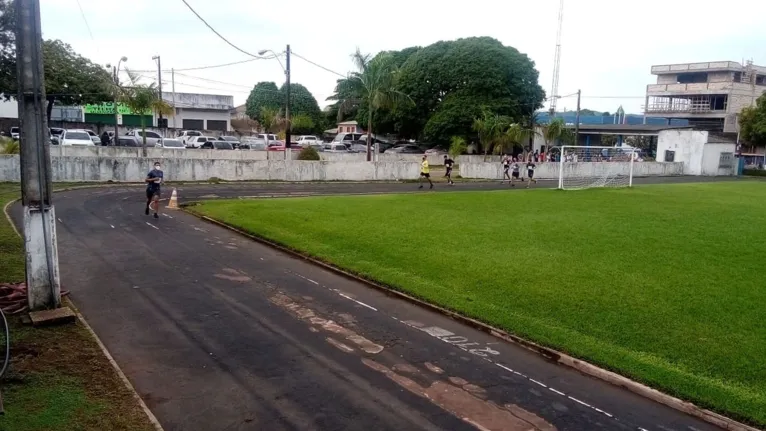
x,y
376,87
70,78
263,95
303,107
451,82
752,123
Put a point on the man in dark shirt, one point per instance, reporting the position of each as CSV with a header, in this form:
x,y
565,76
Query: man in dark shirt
x,y
153,182
448,163
531,172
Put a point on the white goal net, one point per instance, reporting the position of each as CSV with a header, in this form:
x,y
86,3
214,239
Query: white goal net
x,y
586,167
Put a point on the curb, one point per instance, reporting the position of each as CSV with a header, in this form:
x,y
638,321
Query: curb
x,y
550,354
117,369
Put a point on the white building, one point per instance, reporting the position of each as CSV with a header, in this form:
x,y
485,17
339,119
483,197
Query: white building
x,y
701,152
200,111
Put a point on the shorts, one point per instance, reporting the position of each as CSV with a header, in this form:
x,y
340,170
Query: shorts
x,y
449,171
530,174
152,193
515,175
425,174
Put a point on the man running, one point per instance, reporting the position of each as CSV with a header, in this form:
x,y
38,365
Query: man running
x,y
514,172
448,162
506,166
531,172
153,181
425,172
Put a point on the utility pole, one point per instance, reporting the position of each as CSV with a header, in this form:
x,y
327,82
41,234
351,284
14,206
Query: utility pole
x,y
159,79
42,269
577,119
116,113
173,89
288,137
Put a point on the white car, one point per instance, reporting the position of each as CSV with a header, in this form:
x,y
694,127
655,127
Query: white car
x,y
15,131
335,148
185,135
308,140
173,144
268,137
76,137
151,137
94,137
198,141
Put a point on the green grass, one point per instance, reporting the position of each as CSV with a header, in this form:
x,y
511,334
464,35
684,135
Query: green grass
x,y
664,284
59,379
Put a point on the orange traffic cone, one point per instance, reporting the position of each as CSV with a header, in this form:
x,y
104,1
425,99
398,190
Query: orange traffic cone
x,y
173,203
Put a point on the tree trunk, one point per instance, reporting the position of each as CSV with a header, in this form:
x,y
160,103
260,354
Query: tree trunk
x,y
369,135
143,136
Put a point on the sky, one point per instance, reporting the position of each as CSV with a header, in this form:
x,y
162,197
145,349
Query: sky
x,y
608,47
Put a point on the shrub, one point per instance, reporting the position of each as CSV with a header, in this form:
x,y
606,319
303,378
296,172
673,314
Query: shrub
x,y
308,153
8,146
754,172
457,147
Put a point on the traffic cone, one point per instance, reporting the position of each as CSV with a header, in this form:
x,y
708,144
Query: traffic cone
x,y
173,203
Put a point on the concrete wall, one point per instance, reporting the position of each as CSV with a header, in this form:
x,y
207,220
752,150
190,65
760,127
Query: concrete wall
x,y
688,146
127,169
550,171
711,159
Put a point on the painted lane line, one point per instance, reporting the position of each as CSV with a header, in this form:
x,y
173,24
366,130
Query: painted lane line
x,y
167,215
358,302
152,225
198,229
558,392
539,383
580,402
112,226
601,411
305,278
60,220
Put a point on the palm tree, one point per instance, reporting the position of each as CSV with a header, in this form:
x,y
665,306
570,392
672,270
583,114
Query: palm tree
x,y
556,132
373,84
518,134
491,130
143,100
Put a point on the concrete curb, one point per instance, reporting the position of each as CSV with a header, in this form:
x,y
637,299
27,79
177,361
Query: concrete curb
x,y
550,354
117,369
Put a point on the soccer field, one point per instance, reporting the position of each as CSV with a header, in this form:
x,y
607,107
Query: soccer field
x,y
665,284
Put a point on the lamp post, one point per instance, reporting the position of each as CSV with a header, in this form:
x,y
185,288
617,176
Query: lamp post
x,y
116,90
159,80
286,68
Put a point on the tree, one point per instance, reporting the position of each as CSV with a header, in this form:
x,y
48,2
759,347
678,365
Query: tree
x,y
271,120
375,85
457,146
263,95
556,133
450,81
491,129
752,123
302,124
143,100
303,107
7,48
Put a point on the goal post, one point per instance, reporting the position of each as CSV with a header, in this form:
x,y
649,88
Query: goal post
x,y
584,167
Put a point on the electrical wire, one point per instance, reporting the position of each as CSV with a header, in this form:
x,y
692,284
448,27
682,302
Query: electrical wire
x,y
317,65
214,81
82,13
213,66
216,32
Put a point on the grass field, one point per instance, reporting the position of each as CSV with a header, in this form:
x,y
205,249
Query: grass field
x,y
664,284
59,379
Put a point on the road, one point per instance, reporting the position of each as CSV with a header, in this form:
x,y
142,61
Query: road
x,y
217,332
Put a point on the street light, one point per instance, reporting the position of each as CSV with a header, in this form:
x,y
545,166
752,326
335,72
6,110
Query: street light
x,y
286,68
159,80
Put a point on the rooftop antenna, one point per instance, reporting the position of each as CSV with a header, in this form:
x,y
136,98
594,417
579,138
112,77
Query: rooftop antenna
x,y
557,62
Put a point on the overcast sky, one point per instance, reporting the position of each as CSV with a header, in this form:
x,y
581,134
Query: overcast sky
x,y
608,46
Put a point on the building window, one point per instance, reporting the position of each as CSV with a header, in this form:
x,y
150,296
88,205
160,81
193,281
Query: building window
x,y
670,155
220,125
692,78
191,124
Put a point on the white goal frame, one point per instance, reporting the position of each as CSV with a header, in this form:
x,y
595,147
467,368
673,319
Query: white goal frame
x,y
631,153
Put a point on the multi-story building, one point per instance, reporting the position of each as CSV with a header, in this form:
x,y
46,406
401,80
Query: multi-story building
x,y
709,95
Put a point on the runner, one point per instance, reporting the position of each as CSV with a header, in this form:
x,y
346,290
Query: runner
x,y
515,172
425,172
506,166
448,163
153,182
531,172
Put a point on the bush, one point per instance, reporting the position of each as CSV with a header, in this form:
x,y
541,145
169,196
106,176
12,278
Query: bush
x,y
8,146
308,153
457,147
754,172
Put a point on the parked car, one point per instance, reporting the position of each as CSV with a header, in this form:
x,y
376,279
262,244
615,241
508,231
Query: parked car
x,y
359,147
233,140
435,152
308,140
405,149
174,144
185,135
198,141
151,137
254,143
15,132
280,146
55,134
216,144
94,137
76,137
126,141
269,138
335,148
345,138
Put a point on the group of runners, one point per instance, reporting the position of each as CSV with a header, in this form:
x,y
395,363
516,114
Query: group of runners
x,y
509,164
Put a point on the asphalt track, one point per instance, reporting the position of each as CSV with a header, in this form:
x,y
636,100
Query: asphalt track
x,y
217,332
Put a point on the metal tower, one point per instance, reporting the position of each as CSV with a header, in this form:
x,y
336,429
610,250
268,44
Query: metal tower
x,y
557,62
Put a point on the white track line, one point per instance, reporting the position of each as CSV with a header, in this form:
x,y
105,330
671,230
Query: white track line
x,y
112,226
152,225
358,302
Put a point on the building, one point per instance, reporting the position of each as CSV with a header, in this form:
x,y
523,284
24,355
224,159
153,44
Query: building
x,y
239,113
709,95
349,127
200,111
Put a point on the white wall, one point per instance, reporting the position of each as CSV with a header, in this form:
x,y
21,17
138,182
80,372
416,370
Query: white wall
x,y
550,171
688,146
711,159
134,169
8,109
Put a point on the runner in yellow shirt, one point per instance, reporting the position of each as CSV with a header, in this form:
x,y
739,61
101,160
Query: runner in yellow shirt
x,y
425,172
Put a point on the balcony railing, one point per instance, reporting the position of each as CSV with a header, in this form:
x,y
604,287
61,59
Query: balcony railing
x,y
691,88
660,108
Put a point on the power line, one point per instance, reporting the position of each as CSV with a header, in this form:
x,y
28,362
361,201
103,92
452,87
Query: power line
x,y
212,66
82,13
318,65
213,81
216,33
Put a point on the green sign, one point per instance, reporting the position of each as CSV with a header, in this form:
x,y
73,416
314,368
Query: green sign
x,y
107,108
